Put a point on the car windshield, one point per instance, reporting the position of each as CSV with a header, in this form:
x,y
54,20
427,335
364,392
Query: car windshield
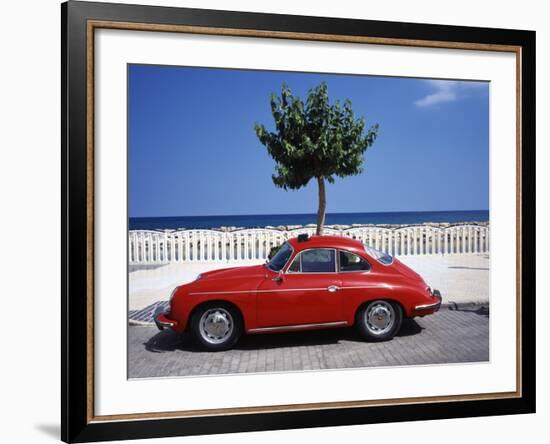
x,y
278,261
380,256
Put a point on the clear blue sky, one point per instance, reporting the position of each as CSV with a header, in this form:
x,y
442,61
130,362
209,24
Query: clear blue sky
x,y
193,150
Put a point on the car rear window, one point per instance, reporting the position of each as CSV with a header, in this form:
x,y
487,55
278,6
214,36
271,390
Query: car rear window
x,y
380,256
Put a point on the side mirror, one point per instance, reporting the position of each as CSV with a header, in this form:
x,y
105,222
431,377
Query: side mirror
x,y
279,277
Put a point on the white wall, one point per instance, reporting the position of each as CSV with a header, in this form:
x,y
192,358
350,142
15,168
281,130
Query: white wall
x,y
30,203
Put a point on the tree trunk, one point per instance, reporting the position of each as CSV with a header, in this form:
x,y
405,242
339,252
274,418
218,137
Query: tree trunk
x,y
322,205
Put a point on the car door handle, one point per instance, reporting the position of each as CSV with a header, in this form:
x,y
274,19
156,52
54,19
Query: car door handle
x,y
333,288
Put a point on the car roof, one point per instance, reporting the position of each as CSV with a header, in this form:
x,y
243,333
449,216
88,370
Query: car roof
x,y
326,242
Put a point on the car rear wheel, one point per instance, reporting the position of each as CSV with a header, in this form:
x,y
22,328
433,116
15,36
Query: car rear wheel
x,y
379,320
216,326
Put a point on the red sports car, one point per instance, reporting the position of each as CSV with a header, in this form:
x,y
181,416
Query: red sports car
x,y
310,283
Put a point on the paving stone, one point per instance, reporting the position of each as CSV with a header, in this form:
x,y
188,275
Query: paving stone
x,y
449,336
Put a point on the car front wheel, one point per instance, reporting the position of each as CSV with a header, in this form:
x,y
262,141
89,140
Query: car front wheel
x,y
379,320
216,326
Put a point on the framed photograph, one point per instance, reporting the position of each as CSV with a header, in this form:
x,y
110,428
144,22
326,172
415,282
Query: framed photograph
x,y
276,221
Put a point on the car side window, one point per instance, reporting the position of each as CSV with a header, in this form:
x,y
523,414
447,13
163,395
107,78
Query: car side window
x,y
318,260
295,266
352,262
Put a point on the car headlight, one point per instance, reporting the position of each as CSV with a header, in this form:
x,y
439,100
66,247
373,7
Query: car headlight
x,y
172,296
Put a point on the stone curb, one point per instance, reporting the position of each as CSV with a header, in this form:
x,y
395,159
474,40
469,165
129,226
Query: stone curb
x,y
140,323
451,305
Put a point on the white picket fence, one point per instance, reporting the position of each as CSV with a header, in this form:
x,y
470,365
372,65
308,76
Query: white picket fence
x,y
161,247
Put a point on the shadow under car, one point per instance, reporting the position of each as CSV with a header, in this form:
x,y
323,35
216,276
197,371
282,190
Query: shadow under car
x,y
169,341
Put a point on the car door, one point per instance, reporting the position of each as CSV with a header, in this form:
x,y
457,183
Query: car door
x,y
359,282
307,292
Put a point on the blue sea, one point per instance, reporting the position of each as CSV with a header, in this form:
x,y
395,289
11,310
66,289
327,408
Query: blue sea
x,y
263,220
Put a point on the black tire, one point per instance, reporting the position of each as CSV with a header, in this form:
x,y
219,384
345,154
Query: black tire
x,y
216,326
381,327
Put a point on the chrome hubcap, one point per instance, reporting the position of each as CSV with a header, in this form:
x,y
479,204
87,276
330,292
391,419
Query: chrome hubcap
x,y
216,325
379,317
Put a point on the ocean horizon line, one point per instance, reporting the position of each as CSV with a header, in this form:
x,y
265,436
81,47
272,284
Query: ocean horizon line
x,y
264,220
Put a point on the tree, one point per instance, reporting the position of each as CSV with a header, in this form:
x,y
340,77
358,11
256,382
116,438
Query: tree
x,y
315,140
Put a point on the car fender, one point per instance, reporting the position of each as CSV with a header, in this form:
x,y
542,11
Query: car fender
x,y
354,298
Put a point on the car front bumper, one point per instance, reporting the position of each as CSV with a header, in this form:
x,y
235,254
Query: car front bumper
x,y
162,321
431,307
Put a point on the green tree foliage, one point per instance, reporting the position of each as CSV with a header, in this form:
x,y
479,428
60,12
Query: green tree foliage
x,y
314,139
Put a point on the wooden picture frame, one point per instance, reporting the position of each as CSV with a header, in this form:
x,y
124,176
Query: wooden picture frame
x,y
79,22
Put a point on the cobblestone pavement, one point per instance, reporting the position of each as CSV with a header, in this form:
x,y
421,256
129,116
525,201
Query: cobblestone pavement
x,y
448,336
